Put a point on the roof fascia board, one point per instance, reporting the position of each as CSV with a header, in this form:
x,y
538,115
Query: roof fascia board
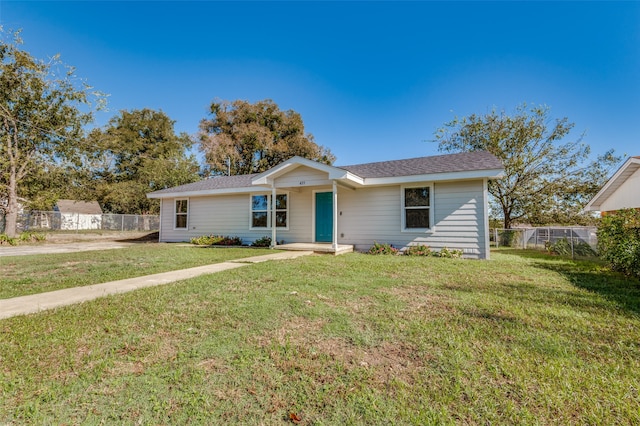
x,y
595,203
434,177
204,192
350,177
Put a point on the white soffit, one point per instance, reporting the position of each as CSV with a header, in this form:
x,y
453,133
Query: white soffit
x,y
628,168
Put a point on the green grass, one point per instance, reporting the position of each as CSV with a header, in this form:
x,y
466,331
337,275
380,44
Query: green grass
x,y
524,338
23,275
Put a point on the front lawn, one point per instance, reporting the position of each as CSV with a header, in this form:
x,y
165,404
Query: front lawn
x,y
23,275
354,339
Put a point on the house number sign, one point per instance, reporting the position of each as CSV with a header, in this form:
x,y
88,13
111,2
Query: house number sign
x,y
302,183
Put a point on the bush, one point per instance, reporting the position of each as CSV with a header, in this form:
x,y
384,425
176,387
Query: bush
x,y
509,238
5,239
384,249
262,242
583,249
448,253
561,247
418,250
32,237
216,240
619,241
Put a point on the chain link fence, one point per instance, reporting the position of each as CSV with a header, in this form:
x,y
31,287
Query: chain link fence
x,y
39,221
573,239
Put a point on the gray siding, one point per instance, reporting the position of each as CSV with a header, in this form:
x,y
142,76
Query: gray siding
x,y
230,214
364,215
374,214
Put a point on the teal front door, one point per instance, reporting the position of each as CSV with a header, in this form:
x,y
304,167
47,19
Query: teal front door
x,y
324,217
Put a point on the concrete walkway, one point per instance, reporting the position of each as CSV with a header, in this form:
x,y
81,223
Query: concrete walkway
x,y
39,302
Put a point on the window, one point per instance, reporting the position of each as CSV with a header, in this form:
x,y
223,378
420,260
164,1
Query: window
x,y
182,211
261,211
281,210
416,208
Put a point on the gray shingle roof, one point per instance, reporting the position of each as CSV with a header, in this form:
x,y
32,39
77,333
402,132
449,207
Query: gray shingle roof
x,y
466,161
81,207
217,182
462,162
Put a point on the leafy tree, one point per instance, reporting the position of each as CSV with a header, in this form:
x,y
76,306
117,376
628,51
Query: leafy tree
x,y
41,119
546,179
136,153
244,138
51,182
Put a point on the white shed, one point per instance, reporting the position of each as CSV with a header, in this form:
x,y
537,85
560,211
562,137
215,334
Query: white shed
x,y
75,215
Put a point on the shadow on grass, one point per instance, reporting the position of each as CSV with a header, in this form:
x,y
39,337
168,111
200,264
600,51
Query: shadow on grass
x,y
151,237
591,275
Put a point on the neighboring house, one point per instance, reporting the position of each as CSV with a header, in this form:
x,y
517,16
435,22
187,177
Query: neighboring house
x,y
621,191
76,215
440,201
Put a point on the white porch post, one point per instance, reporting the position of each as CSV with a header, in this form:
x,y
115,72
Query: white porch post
x,y
334,238
273,215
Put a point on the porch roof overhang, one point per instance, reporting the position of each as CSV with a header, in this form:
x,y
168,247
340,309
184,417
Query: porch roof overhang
x,y
333,173
626,170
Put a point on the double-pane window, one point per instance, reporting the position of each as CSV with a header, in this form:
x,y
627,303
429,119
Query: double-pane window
x,y
182,211
417,208
261,211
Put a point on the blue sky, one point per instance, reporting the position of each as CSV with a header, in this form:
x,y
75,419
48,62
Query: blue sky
x,y
372,80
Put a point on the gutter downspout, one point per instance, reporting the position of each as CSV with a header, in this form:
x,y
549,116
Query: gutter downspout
x,y
485,208
334,237
160,220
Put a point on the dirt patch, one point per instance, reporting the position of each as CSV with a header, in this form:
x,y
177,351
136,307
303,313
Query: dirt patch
x,y
353,305
386,361
300,345
419,302
297,330
212,365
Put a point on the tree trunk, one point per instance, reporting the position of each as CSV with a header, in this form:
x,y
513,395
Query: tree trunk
x,y
506,213
12,209
507,235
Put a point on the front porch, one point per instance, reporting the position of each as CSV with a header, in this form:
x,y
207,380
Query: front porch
x,y
317,247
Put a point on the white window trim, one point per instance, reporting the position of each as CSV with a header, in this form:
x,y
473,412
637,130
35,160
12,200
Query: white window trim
x,y
268,194
175,214
403,218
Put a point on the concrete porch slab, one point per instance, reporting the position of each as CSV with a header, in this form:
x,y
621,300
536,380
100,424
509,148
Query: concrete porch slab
x,y
317,247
